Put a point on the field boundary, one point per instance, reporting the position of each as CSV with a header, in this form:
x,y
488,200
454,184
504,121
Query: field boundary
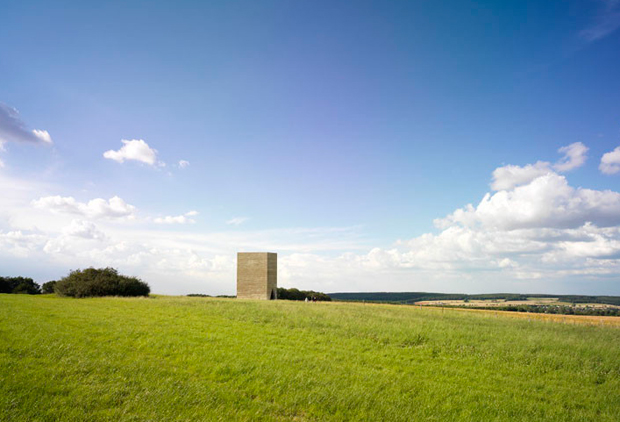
x,y
560,318
607,321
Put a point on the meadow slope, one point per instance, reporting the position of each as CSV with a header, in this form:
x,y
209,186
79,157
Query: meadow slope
x,y
178,358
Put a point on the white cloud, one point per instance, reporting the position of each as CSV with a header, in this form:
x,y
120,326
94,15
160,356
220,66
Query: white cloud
x,y
546,201
75,238
43,135
237,221
507,177
574,156
114,208
610,162
20,244
179,219
536,226
83,229
183,164
135,150
13,129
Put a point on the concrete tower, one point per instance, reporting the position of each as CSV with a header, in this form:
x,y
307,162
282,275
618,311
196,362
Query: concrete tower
x,y
257,275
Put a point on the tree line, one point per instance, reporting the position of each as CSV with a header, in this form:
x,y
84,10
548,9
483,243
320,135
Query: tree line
x,y
296,294
19,285
90,282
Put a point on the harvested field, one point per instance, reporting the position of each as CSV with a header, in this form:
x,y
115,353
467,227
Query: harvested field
x,y
572,319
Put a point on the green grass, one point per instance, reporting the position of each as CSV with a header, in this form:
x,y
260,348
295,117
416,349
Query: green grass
x,y
178,358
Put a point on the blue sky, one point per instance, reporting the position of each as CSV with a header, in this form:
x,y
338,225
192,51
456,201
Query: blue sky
x,y
348,137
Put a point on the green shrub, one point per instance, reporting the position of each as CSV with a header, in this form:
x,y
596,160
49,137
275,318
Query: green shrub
x,y
100,282
48,287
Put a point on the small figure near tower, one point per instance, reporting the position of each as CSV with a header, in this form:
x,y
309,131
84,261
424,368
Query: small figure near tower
x,y
257,275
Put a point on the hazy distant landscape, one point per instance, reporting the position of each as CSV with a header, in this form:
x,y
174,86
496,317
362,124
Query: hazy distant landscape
x,y
536,303
413,297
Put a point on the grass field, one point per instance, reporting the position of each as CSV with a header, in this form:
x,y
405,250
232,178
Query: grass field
x,y
177,358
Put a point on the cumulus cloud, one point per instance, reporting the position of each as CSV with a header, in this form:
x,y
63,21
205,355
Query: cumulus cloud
x,y
134,150
13,129
114,208
179,219
21,244
183,164
574,156
236,221
610,162
83,229
546,201
79,235
508,254
509,176
534,226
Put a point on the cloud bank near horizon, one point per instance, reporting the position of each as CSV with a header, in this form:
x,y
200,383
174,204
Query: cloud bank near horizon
x,y
532,225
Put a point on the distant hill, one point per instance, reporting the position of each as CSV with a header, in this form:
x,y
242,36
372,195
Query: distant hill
x,y
412,297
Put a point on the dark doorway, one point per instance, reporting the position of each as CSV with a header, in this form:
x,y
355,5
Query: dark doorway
x,y
273,295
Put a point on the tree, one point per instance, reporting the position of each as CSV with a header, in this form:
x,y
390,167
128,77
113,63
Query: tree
x,y
5,285
23,285
48,287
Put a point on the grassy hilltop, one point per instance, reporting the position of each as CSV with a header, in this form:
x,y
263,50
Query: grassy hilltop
x,y
175,358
